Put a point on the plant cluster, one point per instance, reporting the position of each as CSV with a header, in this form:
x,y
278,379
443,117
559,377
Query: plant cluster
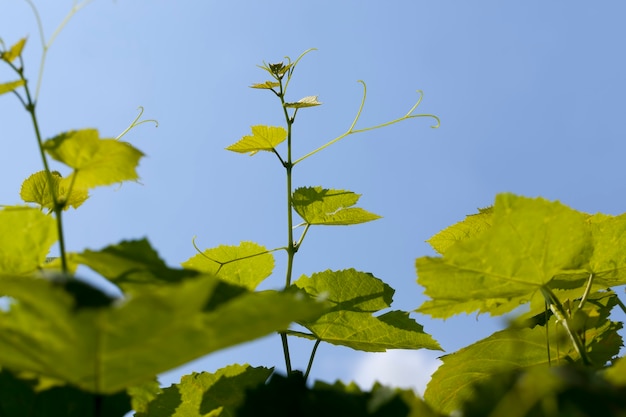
x,y
70,349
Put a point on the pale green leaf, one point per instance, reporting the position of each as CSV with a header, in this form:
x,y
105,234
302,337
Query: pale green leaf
x,y
35,189
59,332
202,394
26,235
263,138
95,161
308,101
246,265
14,52
353,297
608,262
10,86
320,206
267,85
530,242
470,227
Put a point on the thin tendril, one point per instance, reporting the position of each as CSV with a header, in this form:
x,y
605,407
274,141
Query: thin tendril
x,y
136,123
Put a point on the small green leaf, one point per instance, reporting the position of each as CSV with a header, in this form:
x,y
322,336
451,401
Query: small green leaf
x,y
353,297
26,235
14,52
246,265
35,190
267,85
308,101
199,394
320,206
264,138
10,86
95,161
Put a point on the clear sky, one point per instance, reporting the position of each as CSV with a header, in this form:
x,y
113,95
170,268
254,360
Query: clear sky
x,y
530,95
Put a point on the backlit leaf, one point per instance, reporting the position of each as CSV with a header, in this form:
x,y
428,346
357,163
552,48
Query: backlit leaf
x,y
14,52
95,161
267,85
471,226
263,138
198,394
529,243
107,347
353,297
26,235
608,261
10,86
317,205
309,101
35,189
246,265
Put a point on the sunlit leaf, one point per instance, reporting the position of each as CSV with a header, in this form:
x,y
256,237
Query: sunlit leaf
x,y
263,138
354,296
608,261
95,161
26,235
267,85
14,52
320,206
198,394
10,86
309,101
247,264
35,189
470,227
529,243
105,347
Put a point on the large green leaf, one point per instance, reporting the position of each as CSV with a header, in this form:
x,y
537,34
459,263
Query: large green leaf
x,y
263,138
70,334
608,262
529,242
36,189
95,161
317,205
470,227
198,394
354,296
246,265
26,235
517,348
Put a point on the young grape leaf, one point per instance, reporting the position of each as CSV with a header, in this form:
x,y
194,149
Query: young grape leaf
x,y
515,348
353,297
529,242
10,86
246,265
264,138
320,206
267,85
308,101
108,347
26,235
14,52
35,189
199,394
95,161
470,227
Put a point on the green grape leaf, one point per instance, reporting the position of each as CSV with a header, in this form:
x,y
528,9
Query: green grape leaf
x,y
142,395
202,394
26,235
471,226
14,52
617,372
320,206
132,265
23,397
246,265
529,242
353,297
10,86
608,261
35,189
104,347
308,101
516,348
267,85
264,138
95,161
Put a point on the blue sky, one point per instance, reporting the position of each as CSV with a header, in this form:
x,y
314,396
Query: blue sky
x,y
530,95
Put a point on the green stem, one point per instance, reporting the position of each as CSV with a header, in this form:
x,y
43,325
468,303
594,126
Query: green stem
x,y
308,368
